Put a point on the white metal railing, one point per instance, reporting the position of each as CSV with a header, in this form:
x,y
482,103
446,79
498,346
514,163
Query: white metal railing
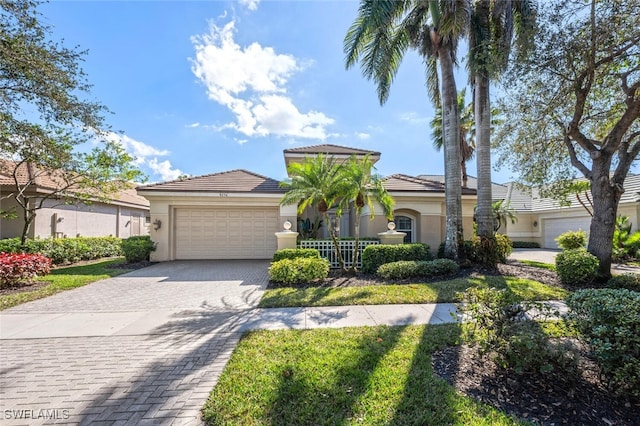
x,y
327,250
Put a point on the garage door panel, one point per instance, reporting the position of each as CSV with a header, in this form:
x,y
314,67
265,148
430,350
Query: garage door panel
x,y
225,233
555,226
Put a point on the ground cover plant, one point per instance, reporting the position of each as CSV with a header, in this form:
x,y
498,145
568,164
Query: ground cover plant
x,y
61,279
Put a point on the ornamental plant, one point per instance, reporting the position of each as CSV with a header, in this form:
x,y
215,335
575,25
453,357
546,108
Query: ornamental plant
x,y
17,268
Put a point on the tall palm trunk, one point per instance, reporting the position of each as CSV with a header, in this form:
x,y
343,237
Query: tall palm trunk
x,y
482,107
451,138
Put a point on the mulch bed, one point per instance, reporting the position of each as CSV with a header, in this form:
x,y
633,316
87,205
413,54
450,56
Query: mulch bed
x,y
22,287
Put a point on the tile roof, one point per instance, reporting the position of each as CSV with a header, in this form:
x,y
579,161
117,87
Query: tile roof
x,y
30,174
231,181
498,191
329,149
404,183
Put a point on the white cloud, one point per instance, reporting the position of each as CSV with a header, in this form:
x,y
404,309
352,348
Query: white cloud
x,y
241,141
413,118
142,151
250,4
164,169
192,125
362,135
251,82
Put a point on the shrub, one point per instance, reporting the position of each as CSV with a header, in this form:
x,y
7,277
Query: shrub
x,y
137,249
15,268
576,266
608,321
421,268
67,250
572,240
524,244
300,270
496,322
295,253
488,251
376,255
629,281
10,245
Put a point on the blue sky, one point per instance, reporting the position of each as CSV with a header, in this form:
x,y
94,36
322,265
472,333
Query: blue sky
x,y
203,87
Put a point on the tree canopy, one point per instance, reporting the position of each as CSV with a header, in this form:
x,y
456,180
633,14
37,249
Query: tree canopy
x,y
46,123
575,107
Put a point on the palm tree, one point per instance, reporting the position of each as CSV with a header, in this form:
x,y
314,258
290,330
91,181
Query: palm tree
x,y
379,37
317,182
502,212
363,189
467,133
490,39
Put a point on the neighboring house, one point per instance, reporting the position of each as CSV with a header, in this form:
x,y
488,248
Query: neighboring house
x,y
235,214
542,220
125,214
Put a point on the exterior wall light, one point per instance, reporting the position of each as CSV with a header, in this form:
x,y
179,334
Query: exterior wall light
x,y
157,224
287,225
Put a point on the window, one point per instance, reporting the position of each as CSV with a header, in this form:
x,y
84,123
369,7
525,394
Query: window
x,y
405,224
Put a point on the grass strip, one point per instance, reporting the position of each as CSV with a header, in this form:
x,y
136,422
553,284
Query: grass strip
x,y
434,292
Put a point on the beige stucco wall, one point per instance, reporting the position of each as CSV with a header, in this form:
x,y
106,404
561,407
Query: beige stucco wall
x,y
528,227
163,207
72,220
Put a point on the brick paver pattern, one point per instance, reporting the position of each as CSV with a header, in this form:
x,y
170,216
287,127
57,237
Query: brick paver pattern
x,y
163,377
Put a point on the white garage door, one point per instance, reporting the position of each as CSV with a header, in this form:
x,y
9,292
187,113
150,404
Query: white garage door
x,y
225,233
554,227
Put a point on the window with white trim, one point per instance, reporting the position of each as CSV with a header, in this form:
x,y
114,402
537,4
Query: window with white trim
x,y
405,224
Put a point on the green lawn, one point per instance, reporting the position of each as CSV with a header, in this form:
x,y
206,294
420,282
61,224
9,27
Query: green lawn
x,y
364,375
440,291
61,279
535,263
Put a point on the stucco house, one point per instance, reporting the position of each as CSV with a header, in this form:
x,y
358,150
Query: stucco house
x,y
235,214
125,214
542,220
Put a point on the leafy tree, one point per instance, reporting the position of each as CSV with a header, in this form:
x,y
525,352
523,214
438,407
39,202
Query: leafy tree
x,y
363,189
44,121
467,133
494,24
575,106
379,37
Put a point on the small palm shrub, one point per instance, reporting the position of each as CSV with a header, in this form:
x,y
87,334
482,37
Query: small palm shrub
x,y
496,322
421,268
608,321
571,240
138,249
488,251
294,253
298,271
374,256
576,266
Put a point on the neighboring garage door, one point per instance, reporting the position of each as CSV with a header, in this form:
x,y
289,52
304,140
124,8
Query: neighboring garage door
x,y
555,227
225,233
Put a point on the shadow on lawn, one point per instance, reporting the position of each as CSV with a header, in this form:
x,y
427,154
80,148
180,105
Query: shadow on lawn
x,y
298,401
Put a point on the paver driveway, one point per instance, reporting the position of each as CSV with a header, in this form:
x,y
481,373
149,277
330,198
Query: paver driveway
x,y
141,348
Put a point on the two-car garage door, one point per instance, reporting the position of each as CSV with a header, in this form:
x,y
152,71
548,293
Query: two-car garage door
x,y
225,232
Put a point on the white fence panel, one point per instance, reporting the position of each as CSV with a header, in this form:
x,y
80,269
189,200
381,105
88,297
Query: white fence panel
x,y
327,250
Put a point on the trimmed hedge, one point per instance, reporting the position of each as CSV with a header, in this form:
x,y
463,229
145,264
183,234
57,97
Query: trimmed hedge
x,y
629,281
572,240
377,255
608,321
66,250
420,268
138,248
576,266
294,253
21,267
524,244
300,270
